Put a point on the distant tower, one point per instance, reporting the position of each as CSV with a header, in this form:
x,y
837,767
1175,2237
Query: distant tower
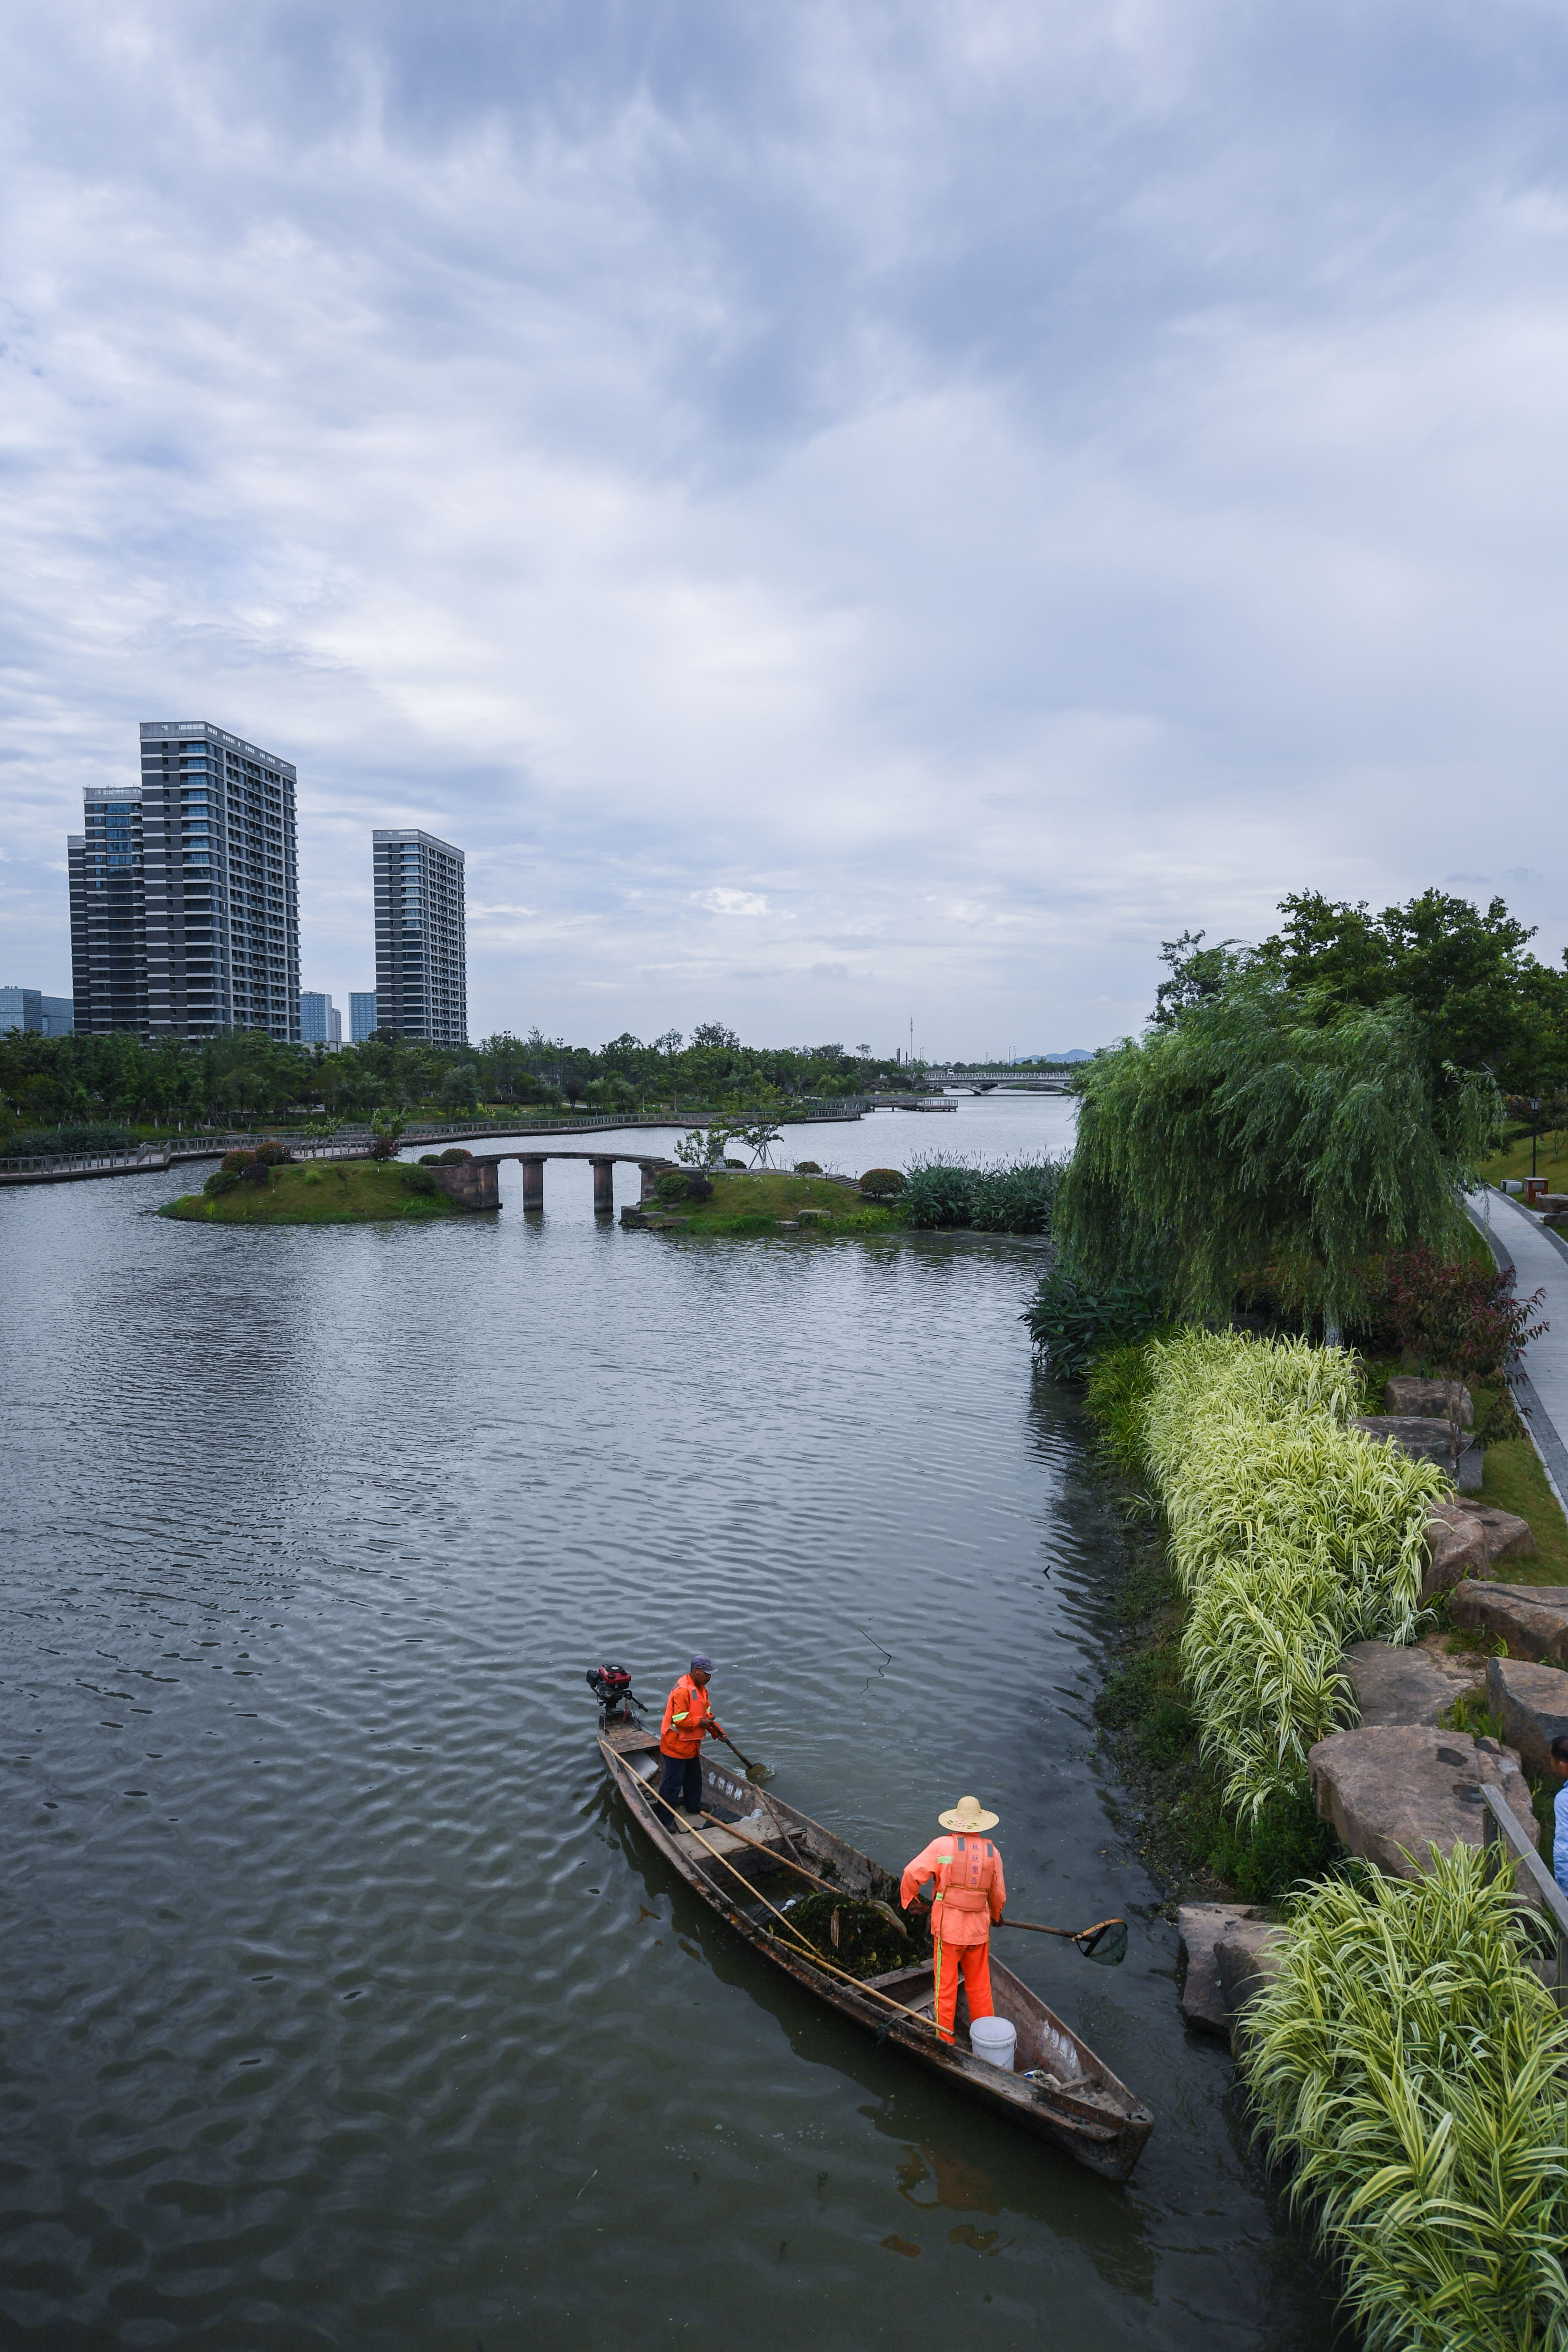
x,y
185,892
109,913
362,1015
421,953
320,1023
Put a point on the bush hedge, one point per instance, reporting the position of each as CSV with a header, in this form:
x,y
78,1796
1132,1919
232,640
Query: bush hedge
x,y
1014,1197
34,1143
1071,1322
1412,2067
1289,1536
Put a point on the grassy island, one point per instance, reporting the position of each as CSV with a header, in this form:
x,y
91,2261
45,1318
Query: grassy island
x,y
756,1200
337,1192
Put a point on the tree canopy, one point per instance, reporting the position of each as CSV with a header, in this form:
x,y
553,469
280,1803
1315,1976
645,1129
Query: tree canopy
x,y
1269,1134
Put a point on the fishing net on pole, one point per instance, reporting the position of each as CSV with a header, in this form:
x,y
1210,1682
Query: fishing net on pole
x,y
855,1936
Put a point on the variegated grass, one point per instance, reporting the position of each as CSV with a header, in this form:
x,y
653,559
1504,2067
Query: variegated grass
x,y
1290,1537
1411,2066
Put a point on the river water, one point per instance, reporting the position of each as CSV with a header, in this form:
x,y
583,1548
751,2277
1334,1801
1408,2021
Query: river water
x,y
341,2004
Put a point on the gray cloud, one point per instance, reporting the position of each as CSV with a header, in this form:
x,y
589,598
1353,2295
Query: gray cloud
x,y
979,490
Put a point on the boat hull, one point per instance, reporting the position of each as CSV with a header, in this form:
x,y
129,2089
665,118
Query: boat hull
x,y
1086,2110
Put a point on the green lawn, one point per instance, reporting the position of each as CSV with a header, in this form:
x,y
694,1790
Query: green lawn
x,y
333,1192
1514,1161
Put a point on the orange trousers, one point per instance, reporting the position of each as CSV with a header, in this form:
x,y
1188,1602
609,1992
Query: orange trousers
x,y
975,1961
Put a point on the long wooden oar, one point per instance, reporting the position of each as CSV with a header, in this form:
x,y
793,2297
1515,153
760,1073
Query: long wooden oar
x,y
751,1768
1101,1942
845,1893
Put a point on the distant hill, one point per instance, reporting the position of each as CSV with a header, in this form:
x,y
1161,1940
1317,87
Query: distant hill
x,y
1073,1054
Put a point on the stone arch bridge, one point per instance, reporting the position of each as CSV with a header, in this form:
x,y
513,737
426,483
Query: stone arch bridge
x,y
475,1183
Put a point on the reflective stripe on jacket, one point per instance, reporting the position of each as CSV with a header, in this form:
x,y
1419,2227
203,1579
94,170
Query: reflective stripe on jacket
x,y
970,1890
685,1711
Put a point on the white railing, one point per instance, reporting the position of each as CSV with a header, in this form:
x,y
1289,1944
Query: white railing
x,y
1504,1828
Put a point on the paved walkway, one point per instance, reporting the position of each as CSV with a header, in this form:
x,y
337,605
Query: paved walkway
x,y
1539,1260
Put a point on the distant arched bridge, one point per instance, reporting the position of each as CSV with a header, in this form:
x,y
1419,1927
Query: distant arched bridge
x,y
603,1163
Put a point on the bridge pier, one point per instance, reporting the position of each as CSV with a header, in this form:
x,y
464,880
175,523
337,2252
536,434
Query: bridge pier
x,y
532,1166
604,1187
650,1172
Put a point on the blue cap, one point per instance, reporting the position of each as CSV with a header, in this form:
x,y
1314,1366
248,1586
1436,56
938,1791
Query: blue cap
x,y
701,1665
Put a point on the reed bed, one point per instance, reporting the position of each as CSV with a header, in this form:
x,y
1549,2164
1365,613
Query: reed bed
x,y
1290,1537
1412,2068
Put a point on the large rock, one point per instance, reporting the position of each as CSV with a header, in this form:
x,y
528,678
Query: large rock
x,y
1405,1394
1417,1684
1532,1705
1393,1795
1424,1438
1199,1927
1456,1548
1507,1536
1246,1957
1533,1619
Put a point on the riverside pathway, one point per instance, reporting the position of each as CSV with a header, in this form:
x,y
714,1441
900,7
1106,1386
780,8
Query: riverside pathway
x,y
1539,1260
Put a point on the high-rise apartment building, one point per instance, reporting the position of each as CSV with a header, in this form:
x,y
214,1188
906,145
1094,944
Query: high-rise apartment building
x,y
320,1023
184,891
109,913
421,952
362,1015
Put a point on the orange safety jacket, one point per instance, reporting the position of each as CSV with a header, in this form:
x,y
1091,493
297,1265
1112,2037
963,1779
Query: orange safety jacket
x,y
687,1714
970,1890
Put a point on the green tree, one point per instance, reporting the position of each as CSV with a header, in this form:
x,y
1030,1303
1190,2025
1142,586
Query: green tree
x,y
1270,1135
1481,1000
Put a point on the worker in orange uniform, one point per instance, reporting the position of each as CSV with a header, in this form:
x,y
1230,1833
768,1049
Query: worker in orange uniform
x,y
970,1893
687,1721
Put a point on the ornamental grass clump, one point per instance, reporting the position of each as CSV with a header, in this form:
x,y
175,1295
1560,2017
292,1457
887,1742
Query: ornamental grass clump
x,y
1414,2072
1291,1536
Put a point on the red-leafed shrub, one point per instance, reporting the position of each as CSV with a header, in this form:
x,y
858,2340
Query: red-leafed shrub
x,y
882,1183
1461,1319
454,1158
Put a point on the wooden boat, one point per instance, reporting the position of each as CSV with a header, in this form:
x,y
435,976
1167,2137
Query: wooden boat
x,y
1058,2088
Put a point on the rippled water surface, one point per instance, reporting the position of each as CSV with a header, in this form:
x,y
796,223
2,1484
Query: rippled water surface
x,y
342,2005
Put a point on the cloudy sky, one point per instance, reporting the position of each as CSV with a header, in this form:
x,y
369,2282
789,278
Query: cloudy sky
x,y
848,513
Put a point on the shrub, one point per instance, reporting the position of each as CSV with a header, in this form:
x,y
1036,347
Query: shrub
x,y
222,1180
33,1143
417,1178
430,1159
811,1168
736,1163
1016,1197
881,1183
1289,1535
1069,1322
1408,2062
273,1154
672,1186
235,1163
453,1158
938,1194
1462,1319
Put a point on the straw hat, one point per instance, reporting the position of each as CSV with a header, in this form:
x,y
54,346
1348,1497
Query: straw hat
x,y
966,1815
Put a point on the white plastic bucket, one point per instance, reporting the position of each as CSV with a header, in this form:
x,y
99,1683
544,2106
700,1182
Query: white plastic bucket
x,y
995,2040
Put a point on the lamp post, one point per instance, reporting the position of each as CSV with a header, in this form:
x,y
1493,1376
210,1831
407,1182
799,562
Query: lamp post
x,y
1534,1132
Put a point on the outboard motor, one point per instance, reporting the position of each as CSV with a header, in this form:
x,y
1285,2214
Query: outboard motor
x,y
612,1686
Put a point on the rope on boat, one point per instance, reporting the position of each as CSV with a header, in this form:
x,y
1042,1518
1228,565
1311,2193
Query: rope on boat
x,y
809,1951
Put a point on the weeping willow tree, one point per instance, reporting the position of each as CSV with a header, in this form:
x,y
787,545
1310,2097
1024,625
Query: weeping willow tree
x,y
1271,1138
